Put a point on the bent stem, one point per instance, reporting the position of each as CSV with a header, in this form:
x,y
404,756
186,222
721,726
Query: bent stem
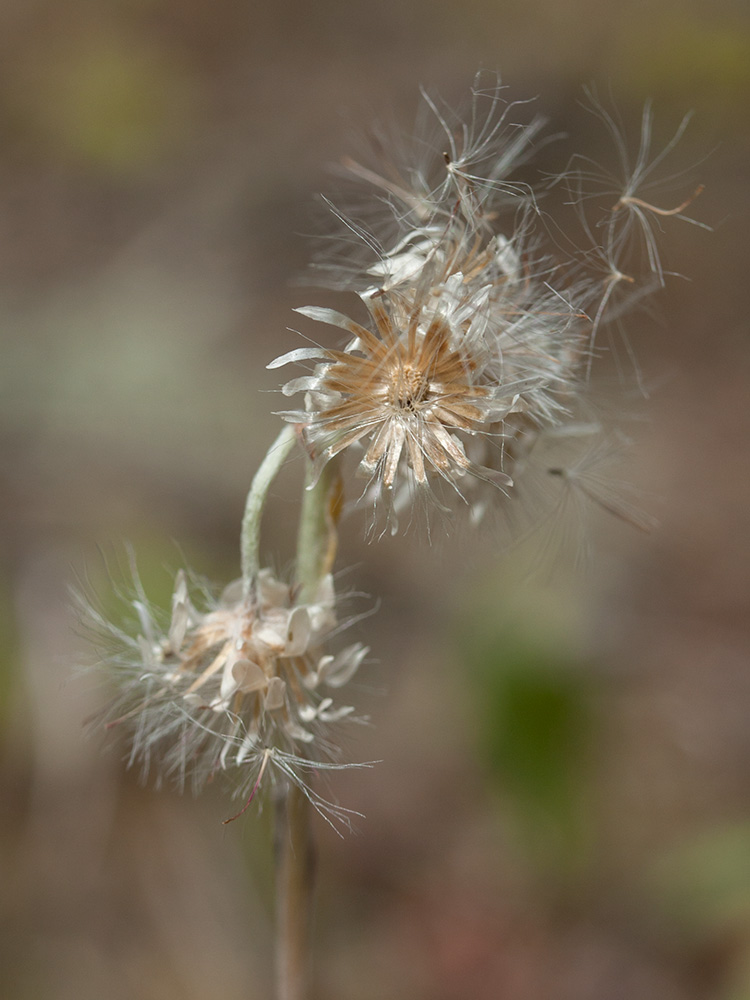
x,y
294,848
256,500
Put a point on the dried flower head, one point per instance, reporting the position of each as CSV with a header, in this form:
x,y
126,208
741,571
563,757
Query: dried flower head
x,y
245,686
468,341
478,343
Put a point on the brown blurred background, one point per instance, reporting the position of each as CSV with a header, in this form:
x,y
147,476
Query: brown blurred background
x,y
562,804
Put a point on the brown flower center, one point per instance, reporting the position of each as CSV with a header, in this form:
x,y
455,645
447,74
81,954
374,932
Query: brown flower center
x,y
408,388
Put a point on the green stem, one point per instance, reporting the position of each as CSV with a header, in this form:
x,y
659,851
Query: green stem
x,y
295,851
256,499
295,861
316,539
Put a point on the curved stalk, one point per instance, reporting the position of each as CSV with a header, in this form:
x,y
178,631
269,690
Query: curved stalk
x,y
256,500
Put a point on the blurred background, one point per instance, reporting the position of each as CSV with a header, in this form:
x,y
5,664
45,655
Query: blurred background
x,y
562,808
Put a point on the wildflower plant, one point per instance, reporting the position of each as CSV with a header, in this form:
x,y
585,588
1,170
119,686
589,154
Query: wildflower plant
x,y
462,386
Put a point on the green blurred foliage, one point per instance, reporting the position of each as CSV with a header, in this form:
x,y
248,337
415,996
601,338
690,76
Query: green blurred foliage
x,y
689,58
535,735
103,97
702,890
704,883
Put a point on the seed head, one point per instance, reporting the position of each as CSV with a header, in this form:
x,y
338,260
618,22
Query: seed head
x,y
482,316
246,683
463,345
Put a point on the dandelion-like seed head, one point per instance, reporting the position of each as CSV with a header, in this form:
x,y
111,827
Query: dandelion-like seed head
x,y
460,344
479,343
404,389
247,682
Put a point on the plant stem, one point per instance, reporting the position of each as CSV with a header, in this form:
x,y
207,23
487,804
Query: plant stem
x,y
295,853
256,499
316,540
295,861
